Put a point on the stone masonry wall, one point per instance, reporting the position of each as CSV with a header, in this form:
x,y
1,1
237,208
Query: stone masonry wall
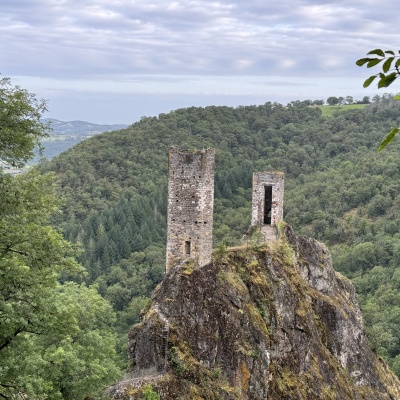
x,y
261,180
190,206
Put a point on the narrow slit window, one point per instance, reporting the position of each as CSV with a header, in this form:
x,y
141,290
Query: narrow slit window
x,y
187,247
267,205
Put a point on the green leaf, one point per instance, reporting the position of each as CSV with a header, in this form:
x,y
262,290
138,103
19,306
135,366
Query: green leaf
x,y
21,114
362,61
381,82
397,97
389,137
369,80
373,62
397,62
387,80
387,64
389,52
378,52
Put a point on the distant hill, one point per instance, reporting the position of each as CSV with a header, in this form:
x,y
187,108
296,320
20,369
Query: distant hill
x,y
68,133
80,128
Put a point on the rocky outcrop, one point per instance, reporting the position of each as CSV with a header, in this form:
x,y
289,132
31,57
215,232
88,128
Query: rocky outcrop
x,y
272,322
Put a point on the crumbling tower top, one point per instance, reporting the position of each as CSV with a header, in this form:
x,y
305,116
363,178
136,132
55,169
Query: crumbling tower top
x,y
190,205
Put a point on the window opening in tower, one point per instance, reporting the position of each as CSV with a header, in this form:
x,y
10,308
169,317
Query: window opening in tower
x,y
187,247
267,205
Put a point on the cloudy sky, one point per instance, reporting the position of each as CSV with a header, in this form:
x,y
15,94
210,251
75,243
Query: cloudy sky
x,y
113,61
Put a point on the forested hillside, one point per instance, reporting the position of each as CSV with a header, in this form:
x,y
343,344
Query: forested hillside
x,y
338,189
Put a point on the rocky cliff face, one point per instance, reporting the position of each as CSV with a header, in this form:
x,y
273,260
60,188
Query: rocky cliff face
x,y
273,322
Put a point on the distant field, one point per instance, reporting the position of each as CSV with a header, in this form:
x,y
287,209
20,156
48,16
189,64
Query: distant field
x,y
329,110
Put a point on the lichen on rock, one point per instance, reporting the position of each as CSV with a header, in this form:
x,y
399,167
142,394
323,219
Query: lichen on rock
x,y
268,322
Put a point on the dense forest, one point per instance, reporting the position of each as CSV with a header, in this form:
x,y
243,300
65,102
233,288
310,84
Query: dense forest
x,y
338,190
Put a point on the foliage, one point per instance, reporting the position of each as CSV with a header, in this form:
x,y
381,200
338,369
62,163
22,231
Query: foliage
x,y
127,284
21,128
56,341
332,100
32,254
150,394
57,338
73,358
390,72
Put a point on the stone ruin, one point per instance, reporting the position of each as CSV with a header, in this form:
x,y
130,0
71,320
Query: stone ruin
x,y
190,206
267,202
191,202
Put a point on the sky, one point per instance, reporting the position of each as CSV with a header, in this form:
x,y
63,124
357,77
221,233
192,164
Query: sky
x,y
114,61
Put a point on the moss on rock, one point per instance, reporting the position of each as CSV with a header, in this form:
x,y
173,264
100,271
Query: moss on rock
x,y
275,322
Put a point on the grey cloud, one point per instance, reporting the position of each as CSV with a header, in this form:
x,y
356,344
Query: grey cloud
x,y
85,38
289,84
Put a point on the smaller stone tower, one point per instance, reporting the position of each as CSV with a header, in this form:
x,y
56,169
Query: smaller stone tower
x,y
190,206
267,204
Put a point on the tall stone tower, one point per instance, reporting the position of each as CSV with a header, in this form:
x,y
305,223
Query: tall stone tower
x,y
190,206
267,204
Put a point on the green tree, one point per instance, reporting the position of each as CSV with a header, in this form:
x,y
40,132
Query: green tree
x,y
79,355
56,340
332,100
21,127
73,357
390,71
32,254
365,100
